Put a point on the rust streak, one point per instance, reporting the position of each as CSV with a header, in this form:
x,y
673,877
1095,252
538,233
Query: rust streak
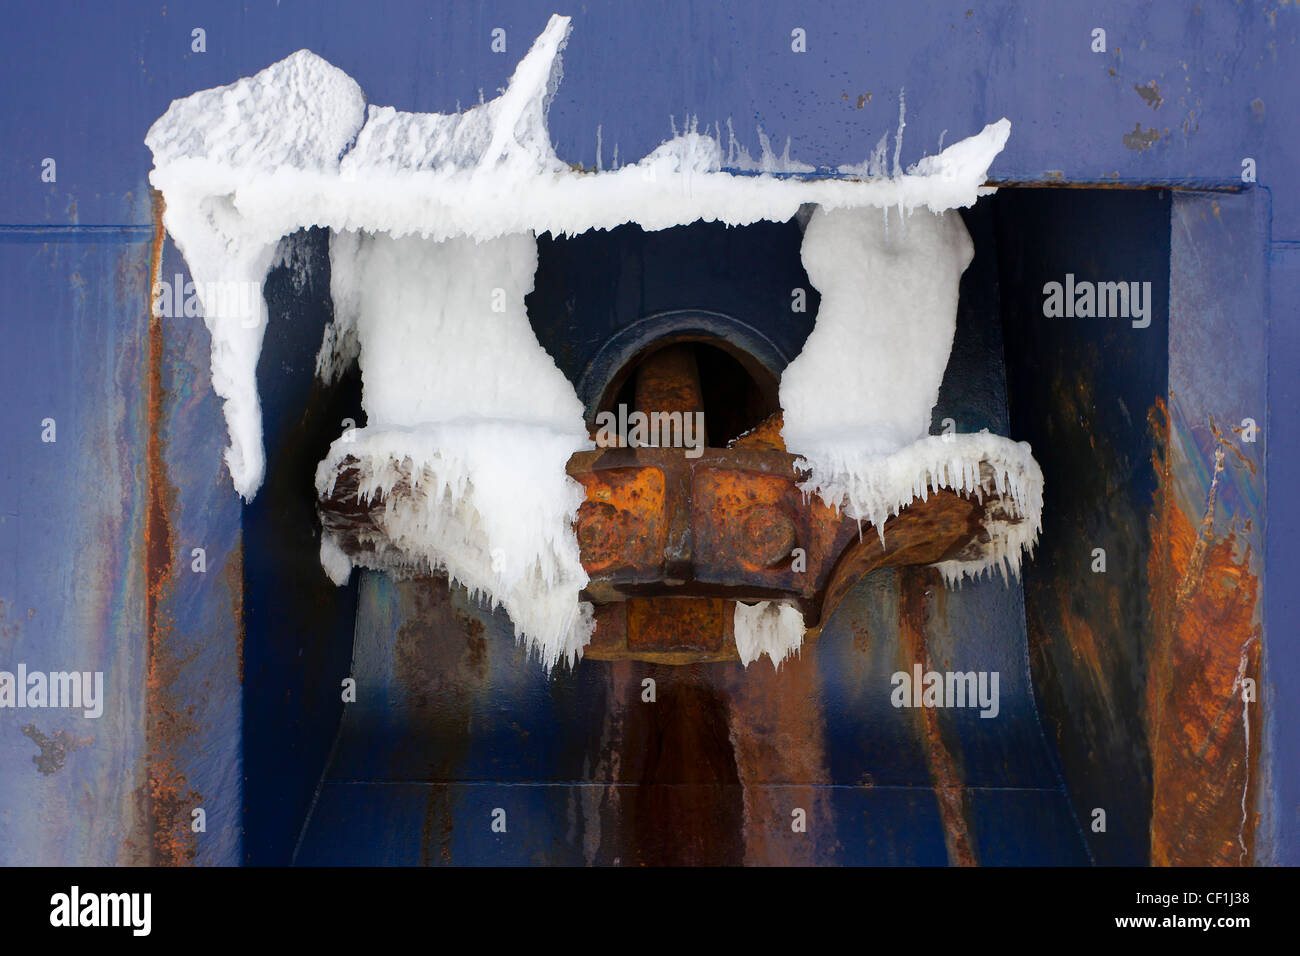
x,y
778,735
168,798
915,585
1204,744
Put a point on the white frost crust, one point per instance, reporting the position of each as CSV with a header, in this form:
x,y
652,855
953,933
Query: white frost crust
x,y
473,417
295,118
884,329
769,627
871,487
443,331
490,504
293,146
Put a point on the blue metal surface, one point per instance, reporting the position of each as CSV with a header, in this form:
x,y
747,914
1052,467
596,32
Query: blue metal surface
x,y
1219,366
82,84
71,534
199,641
449,727
1224,72
1281,608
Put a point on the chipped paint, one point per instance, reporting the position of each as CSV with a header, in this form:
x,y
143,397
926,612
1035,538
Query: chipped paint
x,y
1140,139
54,749
1150,94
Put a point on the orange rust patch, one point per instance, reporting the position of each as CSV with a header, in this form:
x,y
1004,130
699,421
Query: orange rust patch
x,y
621,522
676,623
915,585
169,798
233,581
745,517
1205,739
669,381
765,436
664,630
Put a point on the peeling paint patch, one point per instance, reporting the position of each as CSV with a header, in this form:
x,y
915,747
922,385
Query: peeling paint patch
x,y
10,628
55,748
1140,139
1150,94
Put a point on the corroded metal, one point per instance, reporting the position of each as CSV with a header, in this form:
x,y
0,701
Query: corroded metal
x,y
666,630
1208,655
669,381
730,525
670,538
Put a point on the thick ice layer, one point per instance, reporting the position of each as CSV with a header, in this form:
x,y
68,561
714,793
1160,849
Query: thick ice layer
x,y
870,371
443,331
295,118
680,182
470,416
871,487
490,504
293,146
770,628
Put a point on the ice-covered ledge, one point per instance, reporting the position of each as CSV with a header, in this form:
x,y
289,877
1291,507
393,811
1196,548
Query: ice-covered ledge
x,y
295,146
